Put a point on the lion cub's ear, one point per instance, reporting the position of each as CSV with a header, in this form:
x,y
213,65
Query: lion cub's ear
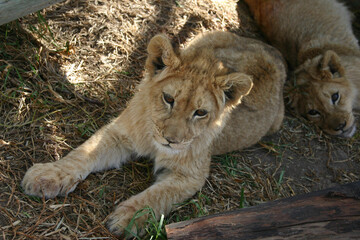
x,y
235,86
161,54
330,66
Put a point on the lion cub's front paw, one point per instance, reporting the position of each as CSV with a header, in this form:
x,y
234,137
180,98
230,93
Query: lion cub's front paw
x,y
49,180
126,220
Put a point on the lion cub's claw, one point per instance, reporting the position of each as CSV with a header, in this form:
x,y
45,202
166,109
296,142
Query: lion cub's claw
x,y
118,222
48,180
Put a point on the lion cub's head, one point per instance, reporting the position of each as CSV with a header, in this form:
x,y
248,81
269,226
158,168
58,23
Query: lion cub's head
x,y
189,93
323,95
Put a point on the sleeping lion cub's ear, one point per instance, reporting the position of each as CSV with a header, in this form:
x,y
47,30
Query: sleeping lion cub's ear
x,y
160,54
330,66
235,86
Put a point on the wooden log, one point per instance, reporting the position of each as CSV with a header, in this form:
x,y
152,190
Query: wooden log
x,y
13,9
328,214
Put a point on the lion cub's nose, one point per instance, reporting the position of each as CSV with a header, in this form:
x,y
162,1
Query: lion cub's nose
x,y
340,126
171,140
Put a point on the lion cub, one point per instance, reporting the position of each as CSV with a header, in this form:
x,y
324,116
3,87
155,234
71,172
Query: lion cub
x,y
316,38
220,87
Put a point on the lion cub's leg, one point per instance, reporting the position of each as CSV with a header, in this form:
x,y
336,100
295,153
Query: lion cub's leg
x,y
171,187
107,148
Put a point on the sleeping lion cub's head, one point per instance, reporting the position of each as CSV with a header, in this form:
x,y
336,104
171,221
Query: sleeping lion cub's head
x,y
190,93
324,96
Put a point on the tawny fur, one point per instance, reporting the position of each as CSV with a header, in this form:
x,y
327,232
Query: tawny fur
x,y
220,87
316,38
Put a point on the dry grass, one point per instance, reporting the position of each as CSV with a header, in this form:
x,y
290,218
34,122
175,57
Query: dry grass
x,y
72,68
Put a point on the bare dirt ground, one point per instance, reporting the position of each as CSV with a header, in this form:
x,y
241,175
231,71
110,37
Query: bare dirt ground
x,y
69,69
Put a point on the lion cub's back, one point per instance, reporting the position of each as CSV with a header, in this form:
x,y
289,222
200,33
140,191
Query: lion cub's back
x,y
289,24
262,111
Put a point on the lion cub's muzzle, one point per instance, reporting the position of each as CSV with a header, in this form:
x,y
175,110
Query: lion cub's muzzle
x,y
345,130
349,132
341,127
171,143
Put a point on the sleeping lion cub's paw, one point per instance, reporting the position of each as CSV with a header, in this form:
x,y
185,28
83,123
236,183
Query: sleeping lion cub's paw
x,y
49,180
121,218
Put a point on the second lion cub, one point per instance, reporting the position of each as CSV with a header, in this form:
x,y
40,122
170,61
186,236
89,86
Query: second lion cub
x,y
316,38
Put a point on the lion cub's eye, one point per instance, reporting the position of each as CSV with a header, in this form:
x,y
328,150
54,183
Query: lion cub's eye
x,y
168,99
313,112
200,113
335,97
